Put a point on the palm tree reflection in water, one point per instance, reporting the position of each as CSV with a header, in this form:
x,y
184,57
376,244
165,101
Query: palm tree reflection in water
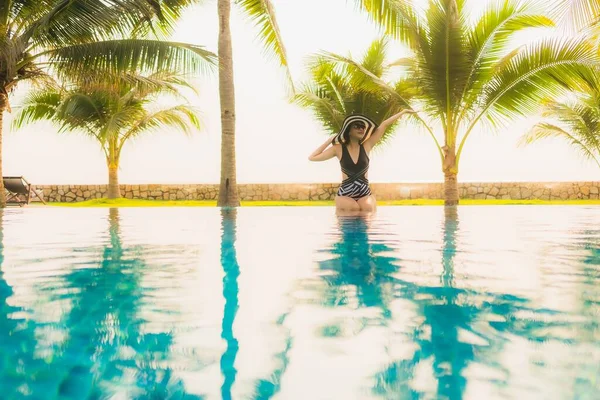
x,y
263,388
442,316
19,365
107,348
230,293
457,328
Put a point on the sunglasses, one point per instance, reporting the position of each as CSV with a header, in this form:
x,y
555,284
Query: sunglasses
x,y
358,126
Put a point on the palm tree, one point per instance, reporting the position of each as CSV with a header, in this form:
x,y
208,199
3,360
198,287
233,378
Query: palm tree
x,y
334,93
467,72
86,38
263,14
111,114
576,120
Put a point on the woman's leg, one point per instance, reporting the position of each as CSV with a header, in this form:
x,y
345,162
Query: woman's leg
x,y
343,203
367,203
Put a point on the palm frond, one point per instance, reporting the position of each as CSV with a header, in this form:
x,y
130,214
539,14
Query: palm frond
x,y
375,57
130,55
327,110
541,70
167,13
363,78
576,116
19,10
488,42
576,15
163,82
21,13
68,22
397,18
332,83
183,117
262,14
445,70
547,130
37,106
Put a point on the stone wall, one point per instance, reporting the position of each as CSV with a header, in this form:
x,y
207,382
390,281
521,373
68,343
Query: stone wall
x,y
326,191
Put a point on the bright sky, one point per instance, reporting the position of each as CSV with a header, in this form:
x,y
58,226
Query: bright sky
x,y
274,138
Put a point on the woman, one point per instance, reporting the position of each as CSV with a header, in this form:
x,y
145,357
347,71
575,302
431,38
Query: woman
x,y
352,146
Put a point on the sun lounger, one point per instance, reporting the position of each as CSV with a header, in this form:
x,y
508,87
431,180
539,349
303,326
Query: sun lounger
x,y
19,191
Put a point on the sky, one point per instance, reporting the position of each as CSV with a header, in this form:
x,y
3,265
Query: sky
x,y
275,137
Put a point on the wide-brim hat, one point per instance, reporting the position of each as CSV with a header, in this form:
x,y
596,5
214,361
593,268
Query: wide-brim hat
x,y
370,127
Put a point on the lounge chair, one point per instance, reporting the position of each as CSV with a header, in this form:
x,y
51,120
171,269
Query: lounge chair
x,y
19,191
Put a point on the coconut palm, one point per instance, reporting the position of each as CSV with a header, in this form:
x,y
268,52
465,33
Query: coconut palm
x,y
86,38
334,93
262,13
112,114
467,71
575,120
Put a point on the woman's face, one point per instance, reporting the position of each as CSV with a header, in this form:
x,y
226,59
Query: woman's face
x,y
357,130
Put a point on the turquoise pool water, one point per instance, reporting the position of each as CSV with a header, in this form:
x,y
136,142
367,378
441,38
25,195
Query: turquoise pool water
x,y
295,303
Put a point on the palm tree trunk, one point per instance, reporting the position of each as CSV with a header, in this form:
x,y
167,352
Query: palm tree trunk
x,y
3,107
228,194
450,176
114,192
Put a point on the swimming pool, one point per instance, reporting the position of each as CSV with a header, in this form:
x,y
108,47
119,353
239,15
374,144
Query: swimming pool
x,y
498,302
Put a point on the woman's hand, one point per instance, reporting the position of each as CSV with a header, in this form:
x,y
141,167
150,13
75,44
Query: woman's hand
x,y
409,111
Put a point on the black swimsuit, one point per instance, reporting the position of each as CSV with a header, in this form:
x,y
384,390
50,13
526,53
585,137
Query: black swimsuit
x,y
356,185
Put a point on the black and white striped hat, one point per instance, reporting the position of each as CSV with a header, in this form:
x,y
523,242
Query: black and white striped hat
x,y
370,127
